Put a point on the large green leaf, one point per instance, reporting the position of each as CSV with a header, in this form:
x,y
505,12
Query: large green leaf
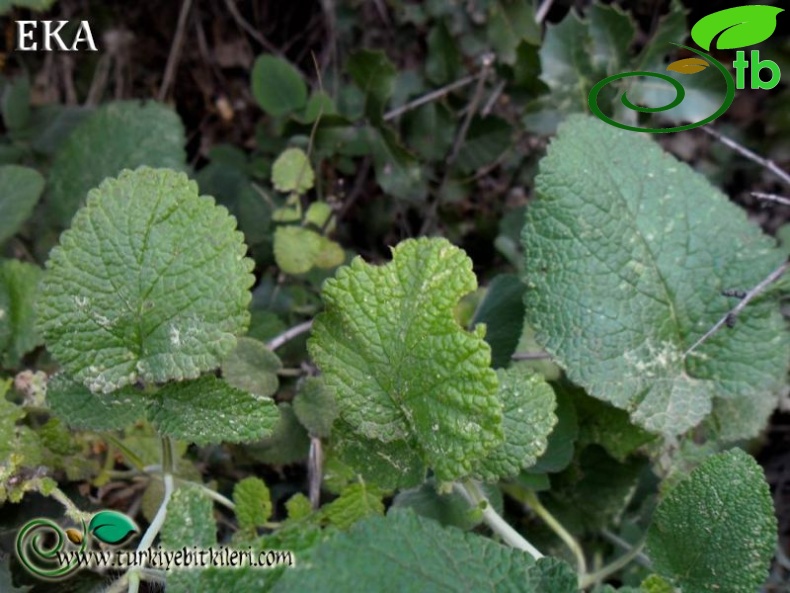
x,y
20,189
149,284
716,530
252,367
400,365
407,553
74,403
627,253
120,135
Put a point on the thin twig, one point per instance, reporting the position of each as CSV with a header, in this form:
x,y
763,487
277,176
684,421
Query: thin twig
x,y
175,50
251,31
730,317
289,335
487,61
771,198
432,96
543,10
493,99
618,541
743,151
531,356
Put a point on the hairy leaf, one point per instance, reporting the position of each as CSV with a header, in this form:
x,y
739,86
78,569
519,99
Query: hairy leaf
x,y
79,408
253,503
117,136
356,502
20,189
208,410
373,552
19,282
150,284
716,530
315,406
402,369
252,367
627,253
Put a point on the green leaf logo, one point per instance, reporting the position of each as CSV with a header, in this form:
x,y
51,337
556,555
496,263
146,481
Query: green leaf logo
x,y
738,27
112,527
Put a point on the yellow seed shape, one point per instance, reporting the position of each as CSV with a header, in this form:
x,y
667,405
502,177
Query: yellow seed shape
x,y
74,536
688,66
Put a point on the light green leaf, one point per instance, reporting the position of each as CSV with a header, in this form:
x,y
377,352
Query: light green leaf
x,y
740,26
117,136
149,284
20,189
330,255
655,584
292,172
374,74
716,530
252,367
528,418
620,315
502,312
298,507
19,282
112,527
208,410
253,503
318,214
373,552
402,369
189,523
315,406
296,248
73,403
357,501
277,86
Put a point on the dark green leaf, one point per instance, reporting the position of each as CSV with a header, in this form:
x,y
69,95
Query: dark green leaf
x,y
277,86
502,311
374,74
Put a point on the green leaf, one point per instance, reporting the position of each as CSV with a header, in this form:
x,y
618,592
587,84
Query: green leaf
x,y
19,282
149,284
20,189
16,104
296,248
315,406
277,86
559,452
374,74
373,552
117,136
74,403
288,443
402,369
398,172
528,417
620,315
509,23
430,131
740,26
292,172
357,501
38,5
252,367
112,527
716,530
253,503
209,410
443,62
655,584
189,524
502,312
298,507
485,142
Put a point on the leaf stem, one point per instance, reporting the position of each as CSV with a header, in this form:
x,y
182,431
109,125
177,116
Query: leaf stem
x,y
531,499
168,467
611,568
72,511
470,491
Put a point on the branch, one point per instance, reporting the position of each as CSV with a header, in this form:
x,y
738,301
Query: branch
x,y
771,198
432,96
743,151
175,50
289,335
531,356
730,317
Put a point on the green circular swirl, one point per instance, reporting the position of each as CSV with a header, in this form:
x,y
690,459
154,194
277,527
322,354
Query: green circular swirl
x,y
39,560
592,99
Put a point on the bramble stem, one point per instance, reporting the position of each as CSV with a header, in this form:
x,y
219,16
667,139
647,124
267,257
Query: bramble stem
x,y
470,491
531,499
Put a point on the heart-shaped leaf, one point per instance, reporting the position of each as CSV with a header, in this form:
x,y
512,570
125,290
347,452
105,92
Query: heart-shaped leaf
x,y
112,527
739,27
688,66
